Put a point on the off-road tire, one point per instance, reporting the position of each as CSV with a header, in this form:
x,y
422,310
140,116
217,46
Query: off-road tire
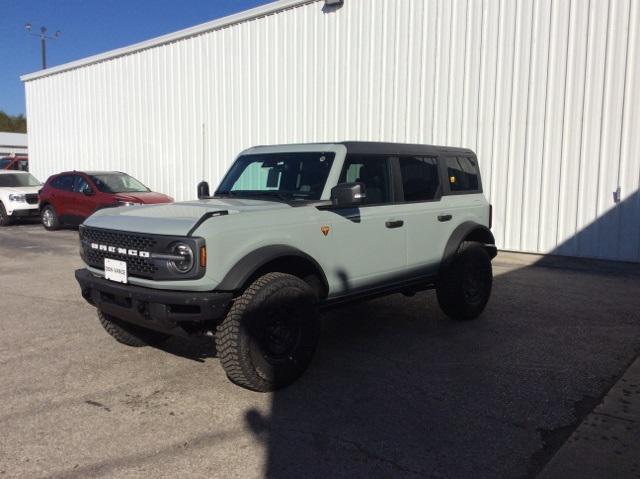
x,y
270,334
54,224
130,334
464,288
5,219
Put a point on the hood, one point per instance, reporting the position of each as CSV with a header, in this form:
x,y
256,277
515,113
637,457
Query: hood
x,y
21,190
146,198
175,218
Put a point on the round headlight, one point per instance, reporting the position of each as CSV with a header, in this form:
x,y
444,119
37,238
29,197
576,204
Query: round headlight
x,y
186,263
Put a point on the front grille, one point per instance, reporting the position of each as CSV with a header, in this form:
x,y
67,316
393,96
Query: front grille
x,y
32,198
136,266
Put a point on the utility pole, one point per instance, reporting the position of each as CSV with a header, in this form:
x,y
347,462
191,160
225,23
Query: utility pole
x,y
43,41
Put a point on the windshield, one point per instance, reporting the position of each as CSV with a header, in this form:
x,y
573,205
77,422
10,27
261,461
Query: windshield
x,y
18,180
286,176
118,183
4,162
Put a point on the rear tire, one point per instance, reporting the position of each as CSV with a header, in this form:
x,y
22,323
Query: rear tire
x,y
5,219
464,288
270,334
49,218
130,334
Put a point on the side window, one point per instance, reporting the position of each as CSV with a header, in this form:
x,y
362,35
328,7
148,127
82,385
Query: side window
x,y
463,174
81,185
24,165
420,178
64,183
373,171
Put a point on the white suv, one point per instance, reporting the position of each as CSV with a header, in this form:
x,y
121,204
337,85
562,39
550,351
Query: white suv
x,y
18,196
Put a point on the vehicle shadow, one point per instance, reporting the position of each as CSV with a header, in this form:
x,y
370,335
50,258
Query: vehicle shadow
x,y
197,349
399,390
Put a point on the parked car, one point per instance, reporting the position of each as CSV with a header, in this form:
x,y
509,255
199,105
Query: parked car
x,y
292,229
18,196
18,163
71,197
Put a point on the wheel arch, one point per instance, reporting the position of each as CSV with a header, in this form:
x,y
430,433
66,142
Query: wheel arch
x,y
468,231
275,258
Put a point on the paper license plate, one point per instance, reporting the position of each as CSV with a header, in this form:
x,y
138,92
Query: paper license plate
x,y
115,270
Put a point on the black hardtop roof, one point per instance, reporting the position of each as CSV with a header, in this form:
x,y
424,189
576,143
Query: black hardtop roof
x,y
372,148
381,148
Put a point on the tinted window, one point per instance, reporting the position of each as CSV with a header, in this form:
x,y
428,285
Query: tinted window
x,y
81,185
4,162
420,178
373,171
64,183
291,176
463,174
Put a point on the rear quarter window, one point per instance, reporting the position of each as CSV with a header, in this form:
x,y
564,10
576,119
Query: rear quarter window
x,y
463,174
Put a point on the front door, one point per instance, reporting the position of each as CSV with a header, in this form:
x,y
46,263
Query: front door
x,y
368,243
86,199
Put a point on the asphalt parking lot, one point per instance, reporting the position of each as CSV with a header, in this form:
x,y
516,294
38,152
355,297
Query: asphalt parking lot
x,y
396,389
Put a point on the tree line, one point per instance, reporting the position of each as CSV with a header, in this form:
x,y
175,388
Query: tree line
x,y
13,124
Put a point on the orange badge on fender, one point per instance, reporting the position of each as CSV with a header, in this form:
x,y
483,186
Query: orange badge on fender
x,y
325,230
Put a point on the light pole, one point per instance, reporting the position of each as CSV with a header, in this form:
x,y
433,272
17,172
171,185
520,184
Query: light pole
x,y
43,41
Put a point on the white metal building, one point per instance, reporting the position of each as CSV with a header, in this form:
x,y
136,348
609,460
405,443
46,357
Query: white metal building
x,y
13,144
546,91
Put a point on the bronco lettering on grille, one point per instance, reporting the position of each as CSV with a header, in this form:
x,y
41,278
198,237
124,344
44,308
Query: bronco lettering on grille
x,y
121,251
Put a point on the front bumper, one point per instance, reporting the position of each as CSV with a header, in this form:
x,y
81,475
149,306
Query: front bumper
x,y
178,313
22,210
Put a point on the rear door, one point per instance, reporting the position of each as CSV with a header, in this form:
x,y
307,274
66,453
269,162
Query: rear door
x,y
61,196
367,243
422,206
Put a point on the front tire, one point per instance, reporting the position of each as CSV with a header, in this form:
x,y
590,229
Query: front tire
x,y
270,334
50,219
130,334
5,219
464,288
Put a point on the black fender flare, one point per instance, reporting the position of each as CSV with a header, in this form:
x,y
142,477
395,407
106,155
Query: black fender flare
x,y
472,231
243,270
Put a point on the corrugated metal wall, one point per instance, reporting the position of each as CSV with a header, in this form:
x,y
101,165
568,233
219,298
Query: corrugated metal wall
x,y
546,91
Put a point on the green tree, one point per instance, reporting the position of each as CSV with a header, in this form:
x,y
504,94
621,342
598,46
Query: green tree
x,y
13,124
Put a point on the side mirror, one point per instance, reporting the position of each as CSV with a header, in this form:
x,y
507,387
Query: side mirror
x,y
203,190
348,194
88,192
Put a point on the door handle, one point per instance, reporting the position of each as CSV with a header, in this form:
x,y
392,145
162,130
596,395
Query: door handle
x,y
394,224
443,218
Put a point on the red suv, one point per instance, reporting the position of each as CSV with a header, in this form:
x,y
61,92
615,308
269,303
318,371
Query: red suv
x,y
70,198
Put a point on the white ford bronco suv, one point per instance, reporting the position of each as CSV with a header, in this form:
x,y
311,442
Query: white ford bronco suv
x,y
291,230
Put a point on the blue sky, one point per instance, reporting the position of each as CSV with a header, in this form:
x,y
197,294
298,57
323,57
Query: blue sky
x,y
89,27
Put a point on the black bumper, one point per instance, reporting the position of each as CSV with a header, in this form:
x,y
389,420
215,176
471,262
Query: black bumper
x,y
175,312
30,213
